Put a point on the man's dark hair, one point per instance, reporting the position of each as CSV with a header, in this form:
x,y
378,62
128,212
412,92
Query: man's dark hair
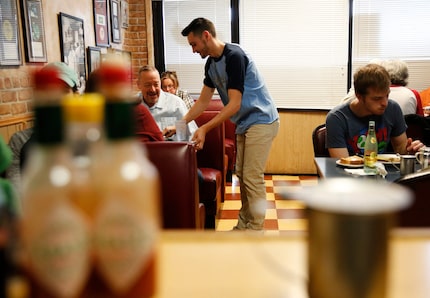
x,y
371,76
197,26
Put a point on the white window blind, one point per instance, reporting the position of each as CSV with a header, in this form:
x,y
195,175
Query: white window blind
x,y
179,56
387,29
300,47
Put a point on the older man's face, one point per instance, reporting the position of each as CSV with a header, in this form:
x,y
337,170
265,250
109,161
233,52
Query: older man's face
x,y
150,85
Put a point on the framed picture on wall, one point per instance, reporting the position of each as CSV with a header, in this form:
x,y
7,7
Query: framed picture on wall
x,y
94,57
124,14
115,21
35,43
10,51
101,23
72,44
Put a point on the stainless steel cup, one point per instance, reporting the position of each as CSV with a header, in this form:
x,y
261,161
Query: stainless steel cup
x,y
407,164
348,225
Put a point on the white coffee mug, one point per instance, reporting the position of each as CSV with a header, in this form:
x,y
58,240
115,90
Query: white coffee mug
x,y
423,157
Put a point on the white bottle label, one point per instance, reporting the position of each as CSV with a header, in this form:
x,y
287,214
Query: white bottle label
x,y
59,251
123,242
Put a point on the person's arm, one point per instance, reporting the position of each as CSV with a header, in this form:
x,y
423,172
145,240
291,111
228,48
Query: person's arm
x,y
404,145
338,152
235,99
419,110
201,104
336,135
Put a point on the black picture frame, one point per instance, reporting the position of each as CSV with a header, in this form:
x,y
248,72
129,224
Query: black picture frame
x,y
115,21
101,23
94,58
34,33
10,48
72,44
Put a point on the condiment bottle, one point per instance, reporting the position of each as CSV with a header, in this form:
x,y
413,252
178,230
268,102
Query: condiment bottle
x,y
126,224
85,138
371,149
55,233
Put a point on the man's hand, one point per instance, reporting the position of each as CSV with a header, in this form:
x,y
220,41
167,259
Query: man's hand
x,y
199,138
413,146
169,131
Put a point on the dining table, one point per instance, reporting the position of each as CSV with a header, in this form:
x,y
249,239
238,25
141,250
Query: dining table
x,y
240,264
328,167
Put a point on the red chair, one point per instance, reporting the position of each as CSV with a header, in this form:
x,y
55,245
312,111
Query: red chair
x,y
177,167
318,140
211,161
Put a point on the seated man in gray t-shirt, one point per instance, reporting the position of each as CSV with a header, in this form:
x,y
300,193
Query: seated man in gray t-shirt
x,y
347,124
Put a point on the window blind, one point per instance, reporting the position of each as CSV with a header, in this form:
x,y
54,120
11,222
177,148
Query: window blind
x,y
300,47
394,29
189,66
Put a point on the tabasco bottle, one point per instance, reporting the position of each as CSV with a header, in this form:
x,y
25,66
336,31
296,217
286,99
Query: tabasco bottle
x,y
126,221
55,233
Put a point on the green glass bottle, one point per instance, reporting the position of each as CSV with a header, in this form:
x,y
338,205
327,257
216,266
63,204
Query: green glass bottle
x,y
371,149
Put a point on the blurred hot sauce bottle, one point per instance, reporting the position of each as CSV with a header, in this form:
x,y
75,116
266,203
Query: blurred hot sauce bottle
x,y
55,233
105,247
126,221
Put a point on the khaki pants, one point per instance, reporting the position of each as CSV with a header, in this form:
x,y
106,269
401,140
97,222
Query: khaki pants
x,y
253,149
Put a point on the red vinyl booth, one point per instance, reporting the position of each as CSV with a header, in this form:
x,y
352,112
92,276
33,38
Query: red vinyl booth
x,y
177,168
211,160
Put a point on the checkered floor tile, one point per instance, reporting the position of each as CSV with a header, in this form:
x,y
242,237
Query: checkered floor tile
x,y
281,214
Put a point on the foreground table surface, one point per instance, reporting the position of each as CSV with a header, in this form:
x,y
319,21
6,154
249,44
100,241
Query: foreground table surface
x,y
235,264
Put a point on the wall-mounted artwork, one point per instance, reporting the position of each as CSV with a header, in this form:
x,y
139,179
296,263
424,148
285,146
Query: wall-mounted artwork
x,y
115,21
72,44
124,14
35,46
10,51
101,26
94,57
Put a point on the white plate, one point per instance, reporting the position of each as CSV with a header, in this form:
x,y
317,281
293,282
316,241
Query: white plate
x,y
388,156
338,162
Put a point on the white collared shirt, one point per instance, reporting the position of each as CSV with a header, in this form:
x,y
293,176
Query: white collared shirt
x,y
169,105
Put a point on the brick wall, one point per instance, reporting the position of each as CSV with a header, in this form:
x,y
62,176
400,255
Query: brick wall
x,y
15,91
15,83
135,37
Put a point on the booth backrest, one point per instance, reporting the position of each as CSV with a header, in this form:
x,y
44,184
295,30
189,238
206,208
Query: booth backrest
x,y
318,140
418,128
177,167
212,155
211,160
418,214
230,136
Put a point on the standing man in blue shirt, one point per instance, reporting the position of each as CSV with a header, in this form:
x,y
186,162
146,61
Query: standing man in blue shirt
x,y
247,103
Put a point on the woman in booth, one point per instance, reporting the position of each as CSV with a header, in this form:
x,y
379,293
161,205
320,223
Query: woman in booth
x,y
170,83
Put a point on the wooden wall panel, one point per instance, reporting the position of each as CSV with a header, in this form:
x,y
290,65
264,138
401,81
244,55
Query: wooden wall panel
x,y
292,150
9,126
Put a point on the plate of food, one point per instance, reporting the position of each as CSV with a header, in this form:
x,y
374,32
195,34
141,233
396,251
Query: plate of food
x,y
389,158
353,161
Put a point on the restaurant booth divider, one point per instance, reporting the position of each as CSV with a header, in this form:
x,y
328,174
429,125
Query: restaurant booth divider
x,y
230,138
212,162
176,163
